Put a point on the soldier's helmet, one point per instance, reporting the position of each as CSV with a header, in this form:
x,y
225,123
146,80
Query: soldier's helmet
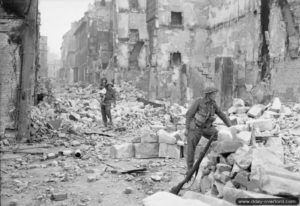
x,y
210,89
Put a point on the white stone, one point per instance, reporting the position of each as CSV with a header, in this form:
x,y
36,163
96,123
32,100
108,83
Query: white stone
x,y
242,110
67,152
148,137
276,105
170,151
146,150
125,150
243,157
231,194
75,143
232,110
166,137
210,200
225,134
238,102
262,124
167,198
256,110
244,136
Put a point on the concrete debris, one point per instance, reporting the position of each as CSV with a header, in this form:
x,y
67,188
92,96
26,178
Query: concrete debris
x,y
128,191
166,198
256,110
125,150
146,150
59,196
165,137
169,151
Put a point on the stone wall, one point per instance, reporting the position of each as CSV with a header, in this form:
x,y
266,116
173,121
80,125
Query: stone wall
x,y
9,76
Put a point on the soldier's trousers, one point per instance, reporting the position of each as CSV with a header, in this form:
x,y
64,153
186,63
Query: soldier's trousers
x,y
193,138
106,113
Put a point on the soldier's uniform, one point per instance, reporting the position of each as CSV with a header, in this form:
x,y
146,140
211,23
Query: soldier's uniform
x,y
199,120
108,99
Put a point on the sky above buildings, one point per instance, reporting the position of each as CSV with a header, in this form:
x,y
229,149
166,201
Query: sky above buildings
x,y
56,19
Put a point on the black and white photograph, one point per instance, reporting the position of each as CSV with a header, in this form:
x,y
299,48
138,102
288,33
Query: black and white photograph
x,y
149,102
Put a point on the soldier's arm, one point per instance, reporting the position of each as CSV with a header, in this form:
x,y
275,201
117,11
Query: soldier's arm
x,y
191,113
223,116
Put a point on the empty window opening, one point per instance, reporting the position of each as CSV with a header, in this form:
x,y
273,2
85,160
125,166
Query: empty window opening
x,y
265,14
176,18
133,35
104,65
103,3
176,58
134,4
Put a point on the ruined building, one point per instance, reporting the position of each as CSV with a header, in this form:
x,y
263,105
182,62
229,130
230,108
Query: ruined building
x,y
233,43
18,64
68,56
43,58
178,47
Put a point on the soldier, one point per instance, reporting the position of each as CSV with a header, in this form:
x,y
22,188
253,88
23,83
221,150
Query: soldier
x,y
199,120
106,103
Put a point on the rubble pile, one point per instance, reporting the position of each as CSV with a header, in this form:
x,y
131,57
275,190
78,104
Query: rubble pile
x,y
252,158
150,144
77,109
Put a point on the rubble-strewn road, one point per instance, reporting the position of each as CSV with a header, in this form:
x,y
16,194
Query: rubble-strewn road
x,y
74,160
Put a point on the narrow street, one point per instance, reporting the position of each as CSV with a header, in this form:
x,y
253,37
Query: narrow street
x,y
70,155
74,160
149,102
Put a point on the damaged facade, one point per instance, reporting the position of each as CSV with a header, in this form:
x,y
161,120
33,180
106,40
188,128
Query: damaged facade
x,y
43,58
177,48
18,63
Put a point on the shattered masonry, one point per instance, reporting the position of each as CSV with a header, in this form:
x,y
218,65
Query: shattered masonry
x,y
173,49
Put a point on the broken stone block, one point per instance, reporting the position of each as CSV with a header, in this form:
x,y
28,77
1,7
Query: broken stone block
x,y
224,176
210,200
223,167
245,137
91,178
5,142
242,110
168,150
276,105
235,170
262,124
275,180
59,196
256,110
232,110
286,111
75,143
237,102
205,184
51,156
243,157
128,191
241,127
232,194
146,150
125,150
241,178
167,198
74,116
67,152
156,178
224,147
224,135
165,137
13,202
136,140
149,138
